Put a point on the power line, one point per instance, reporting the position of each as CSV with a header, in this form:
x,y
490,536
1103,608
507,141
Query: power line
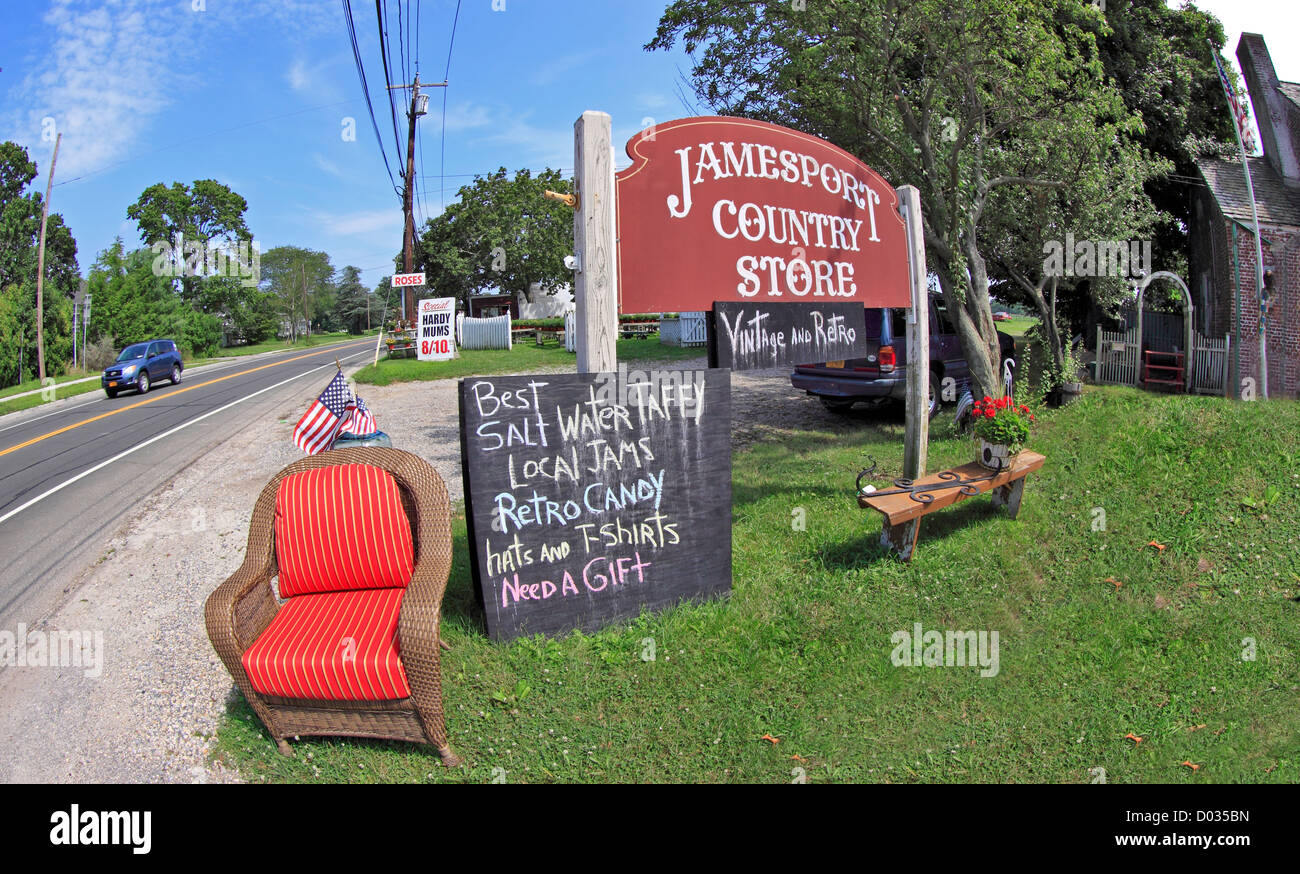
x,y
365,89
442,148
380,10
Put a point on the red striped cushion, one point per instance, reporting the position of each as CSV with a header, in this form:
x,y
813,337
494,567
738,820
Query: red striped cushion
x,y
340,528
339,646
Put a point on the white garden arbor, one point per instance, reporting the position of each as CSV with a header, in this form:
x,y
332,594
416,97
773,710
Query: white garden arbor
x,y
1119,352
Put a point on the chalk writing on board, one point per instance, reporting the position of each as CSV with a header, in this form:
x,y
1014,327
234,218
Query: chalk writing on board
x,y
591,497
745,336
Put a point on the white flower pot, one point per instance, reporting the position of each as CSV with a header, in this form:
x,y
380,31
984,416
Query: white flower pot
x,y
994,456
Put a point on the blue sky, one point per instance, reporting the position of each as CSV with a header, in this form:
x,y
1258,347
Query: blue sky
x,y
256,93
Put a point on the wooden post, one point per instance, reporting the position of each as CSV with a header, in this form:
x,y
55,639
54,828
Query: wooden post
x,y
40,267
917,430
594,290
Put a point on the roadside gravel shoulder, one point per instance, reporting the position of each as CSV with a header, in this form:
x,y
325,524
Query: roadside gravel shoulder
x,y
151,715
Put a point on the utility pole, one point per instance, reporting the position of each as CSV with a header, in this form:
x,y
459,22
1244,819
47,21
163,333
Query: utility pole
x,y
40,268
419,106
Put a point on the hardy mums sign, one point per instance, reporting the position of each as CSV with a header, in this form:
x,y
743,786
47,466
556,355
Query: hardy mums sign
x,y
729,209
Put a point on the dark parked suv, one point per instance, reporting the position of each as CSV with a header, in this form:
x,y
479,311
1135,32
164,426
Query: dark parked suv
x,y
882,374
141,365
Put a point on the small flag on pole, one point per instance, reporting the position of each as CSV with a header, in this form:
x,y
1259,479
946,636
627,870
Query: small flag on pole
x,y
318,426
1239,114
362,422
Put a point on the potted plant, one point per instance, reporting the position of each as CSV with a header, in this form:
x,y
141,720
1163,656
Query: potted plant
x,y
1070,386
1001,427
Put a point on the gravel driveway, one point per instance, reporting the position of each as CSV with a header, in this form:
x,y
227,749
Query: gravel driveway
x,y
151,714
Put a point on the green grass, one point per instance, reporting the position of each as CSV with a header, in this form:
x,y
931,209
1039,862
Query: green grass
x,y
1017,325
62,390
801,650
521,358
35,384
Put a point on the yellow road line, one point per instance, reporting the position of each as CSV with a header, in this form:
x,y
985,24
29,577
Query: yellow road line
x,y
173,394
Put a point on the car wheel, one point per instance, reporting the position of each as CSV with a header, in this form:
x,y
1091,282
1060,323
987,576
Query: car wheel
x,y
111,392
837,405
935,388
176,374
143,384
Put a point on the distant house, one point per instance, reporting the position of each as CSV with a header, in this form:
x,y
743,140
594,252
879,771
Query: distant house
x,y
546,306
542,306
482,306
1223,236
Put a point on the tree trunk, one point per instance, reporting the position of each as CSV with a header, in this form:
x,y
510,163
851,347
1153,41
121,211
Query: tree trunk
x,y
974,333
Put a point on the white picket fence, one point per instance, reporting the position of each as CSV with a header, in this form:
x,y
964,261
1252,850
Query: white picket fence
x,y
1210,364
1117,357
570,335
688,329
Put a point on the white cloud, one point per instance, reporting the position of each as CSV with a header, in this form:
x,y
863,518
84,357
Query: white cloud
x,y
551,71
385,222
111,69
107,72
464,116
328,166
298,76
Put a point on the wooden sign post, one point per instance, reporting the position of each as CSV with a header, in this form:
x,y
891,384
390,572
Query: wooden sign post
x,y
594,291
916,434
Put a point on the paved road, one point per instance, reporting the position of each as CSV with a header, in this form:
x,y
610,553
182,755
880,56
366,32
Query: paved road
x,y
70,477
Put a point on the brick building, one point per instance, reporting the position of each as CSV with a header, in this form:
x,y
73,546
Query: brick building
x,y
1223,236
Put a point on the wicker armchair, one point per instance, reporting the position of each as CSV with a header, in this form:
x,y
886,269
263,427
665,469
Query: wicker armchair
x,y
244,607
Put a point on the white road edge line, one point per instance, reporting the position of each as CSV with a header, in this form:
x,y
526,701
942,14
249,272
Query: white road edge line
x,y
181,427
206,368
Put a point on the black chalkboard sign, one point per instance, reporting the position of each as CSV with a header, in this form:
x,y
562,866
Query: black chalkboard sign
x,y
751,336
591,496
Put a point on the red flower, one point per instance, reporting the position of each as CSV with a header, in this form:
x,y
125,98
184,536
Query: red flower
x,y
1031,417
987,400
989,414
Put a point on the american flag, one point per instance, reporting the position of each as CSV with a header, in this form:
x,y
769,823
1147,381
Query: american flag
x,y
1238,107
362,422
318,426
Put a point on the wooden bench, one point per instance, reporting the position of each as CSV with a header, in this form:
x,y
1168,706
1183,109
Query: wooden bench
x,y
904,506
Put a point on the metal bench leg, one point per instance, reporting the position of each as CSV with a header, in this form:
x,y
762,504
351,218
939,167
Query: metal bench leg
x,y
901,538
1009,496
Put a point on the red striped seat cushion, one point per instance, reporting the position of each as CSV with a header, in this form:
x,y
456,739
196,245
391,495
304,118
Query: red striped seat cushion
x,y
337,646
340,528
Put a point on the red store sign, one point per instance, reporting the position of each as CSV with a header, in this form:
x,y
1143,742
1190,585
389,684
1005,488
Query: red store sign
x,y
729,209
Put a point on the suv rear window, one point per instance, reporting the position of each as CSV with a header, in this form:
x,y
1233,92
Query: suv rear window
x,y
898,323
873,323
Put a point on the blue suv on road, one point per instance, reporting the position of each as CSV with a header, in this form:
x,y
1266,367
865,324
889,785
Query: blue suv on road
x,y
141,365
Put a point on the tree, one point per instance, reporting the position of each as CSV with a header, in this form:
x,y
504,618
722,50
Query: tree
x,y
1158,59
961,98
132,303
501,233
206,215
20,223
352,302
301,281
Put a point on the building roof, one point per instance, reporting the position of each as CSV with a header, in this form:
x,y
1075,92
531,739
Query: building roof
x,y
1291,91
1277,203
